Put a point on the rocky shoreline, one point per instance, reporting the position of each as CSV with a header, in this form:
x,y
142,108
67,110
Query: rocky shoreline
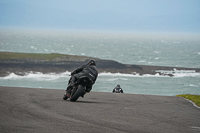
x,y
58,64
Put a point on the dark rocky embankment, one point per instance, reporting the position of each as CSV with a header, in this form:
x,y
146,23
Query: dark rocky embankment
x,y
21,63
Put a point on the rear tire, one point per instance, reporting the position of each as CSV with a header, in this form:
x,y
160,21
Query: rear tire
x,y
78,93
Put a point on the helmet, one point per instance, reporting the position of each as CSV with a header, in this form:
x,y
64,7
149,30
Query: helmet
x,y
91,62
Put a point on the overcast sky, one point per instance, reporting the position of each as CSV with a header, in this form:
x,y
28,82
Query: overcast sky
x,y
115,15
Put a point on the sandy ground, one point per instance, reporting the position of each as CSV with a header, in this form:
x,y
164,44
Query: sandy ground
x,y
28,110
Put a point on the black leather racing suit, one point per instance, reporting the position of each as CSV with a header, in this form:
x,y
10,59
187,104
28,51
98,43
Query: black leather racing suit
x,y
86,70
117,89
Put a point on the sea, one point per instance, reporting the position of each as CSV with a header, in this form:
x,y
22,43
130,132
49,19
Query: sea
x,y
156,49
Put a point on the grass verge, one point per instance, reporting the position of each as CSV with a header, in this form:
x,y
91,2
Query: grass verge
x,y
12,55
39,56
194,98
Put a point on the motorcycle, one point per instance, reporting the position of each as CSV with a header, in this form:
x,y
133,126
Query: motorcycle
x,y
79,89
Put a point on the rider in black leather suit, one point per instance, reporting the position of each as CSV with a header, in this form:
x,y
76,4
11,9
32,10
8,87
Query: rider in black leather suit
x,y
117,89
88,70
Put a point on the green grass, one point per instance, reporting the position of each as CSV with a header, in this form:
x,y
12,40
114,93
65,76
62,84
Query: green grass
x,y
194,98
42,56
10,55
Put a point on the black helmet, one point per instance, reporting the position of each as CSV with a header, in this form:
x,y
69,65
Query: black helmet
x,y
91,62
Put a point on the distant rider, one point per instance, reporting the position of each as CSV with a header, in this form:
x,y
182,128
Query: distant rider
x,y
117,89
88,70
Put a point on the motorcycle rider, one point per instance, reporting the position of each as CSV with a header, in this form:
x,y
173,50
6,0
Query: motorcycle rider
x,y
88,70
117,89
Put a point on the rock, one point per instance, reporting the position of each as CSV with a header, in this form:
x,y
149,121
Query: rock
x,y
12,62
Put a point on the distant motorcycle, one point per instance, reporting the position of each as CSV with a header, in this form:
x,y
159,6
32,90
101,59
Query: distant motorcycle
x,y
79,89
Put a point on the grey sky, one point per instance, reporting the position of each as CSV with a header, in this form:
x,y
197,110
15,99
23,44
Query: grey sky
x,y
117,15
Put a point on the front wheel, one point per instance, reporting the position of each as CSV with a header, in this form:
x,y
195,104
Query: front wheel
x,y
77,94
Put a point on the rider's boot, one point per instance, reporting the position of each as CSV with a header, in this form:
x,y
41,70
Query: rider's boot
x,y
66,96
68,91
69,88
83,94
88,89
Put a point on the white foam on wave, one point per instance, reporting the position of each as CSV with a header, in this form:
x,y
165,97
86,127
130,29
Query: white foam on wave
x,y
187,75
191,85
156,52
181,73
175,73
114,79
116,76
32,47
54,76
37,76
141,61
129,75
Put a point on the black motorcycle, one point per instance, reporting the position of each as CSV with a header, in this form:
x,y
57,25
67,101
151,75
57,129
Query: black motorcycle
x,y
79,89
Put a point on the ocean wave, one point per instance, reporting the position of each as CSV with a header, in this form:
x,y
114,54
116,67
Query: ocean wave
x,y
180,73
114,76
129,75
32,47
115,79
177,73
141,61
37,76
191,85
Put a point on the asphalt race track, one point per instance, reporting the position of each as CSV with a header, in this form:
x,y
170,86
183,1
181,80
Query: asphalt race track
x,y
28,110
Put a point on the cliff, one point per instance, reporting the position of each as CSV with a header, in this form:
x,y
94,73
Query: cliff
x,y
20,63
